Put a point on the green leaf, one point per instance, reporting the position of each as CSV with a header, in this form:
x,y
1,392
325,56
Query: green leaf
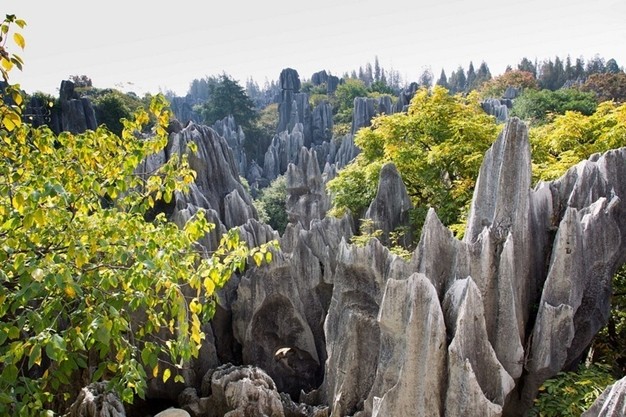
x,y
55,349
9,372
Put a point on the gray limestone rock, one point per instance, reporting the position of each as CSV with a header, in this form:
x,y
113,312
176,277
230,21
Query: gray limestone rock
x,y
346,152
390,208
283,150
77,113
307,199
477,382
351,327
611,403
244,391
410,377
322,123
95,400
235,137
404,98
496,108
216,169
366,108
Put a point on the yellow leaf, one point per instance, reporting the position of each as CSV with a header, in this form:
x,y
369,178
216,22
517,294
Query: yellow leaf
x,y
40,219
209,286
155,371
166,374
19,40
69,291
6,64
258,258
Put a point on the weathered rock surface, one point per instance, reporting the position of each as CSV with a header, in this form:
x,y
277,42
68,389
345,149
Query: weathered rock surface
x,y
322,123
235,138
346,152
307,198
366,108
390,208
410,378
283,151
95,400
611,403
244,392
404,98
77,114
497,108
465,327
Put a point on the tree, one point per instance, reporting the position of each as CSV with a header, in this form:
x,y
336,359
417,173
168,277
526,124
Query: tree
x,y
259,135
273,199
344,99
496,87
426,78
552,74
482,75
595,65
377,71
573,136
612,67
471,77
457,80
608,86
110,110
81,81
86,283
539,106
437,147
227,97
443,80
528,66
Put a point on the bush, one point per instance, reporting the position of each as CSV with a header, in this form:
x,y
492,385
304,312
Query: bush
x,y
273,202
539,106
569,394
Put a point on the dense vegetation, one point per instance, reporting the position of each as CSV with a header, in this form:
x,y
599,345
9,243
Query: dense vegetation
x,y
437,147
90,290
79,258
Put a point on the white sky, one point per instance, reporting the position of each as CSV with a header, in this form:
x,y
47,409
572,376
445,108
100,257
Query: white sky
x,y
155,46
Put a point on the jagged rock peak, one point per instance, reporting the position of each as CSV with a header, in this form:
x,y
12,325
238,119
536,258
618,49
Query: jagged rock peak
x,y
319,77
307,199
503,185
365,108
290,80
390,208
77,113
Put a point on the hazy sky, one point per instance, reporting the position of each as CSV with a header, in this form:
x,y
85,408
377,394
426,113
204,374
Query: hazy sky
x,y
156,46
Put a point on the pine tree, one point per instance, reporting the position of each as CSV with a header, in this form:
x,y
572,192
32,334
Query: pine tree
x,y
471,77
443,80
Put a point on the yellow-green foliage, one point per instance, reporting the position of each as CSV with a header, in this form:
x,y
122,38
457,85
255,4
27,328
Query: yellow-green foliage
x,y
437,146
88,287
573,137
569,394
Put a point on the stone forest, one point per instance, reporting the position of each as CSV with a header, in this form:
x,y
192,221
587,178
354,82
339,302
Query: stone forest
x,y
323,317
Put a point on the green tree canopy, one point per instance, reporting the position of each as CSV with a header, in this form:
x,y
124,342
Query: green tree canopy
x,y
344,98
538,106
437,147
227,97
